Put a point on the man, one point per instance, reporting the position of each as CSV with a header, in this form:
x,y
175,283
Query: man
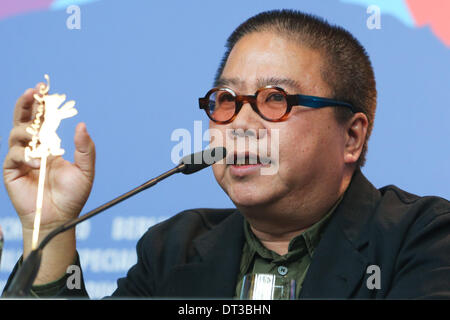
x,y
315,223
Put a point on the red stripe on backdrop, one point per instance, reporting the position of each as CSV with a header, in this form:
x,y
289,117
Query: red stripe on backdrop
x,y
14,7
434,13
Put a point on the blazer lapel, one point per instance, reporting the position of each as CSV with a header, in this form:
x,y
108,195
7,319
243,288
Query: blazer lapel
x,y
336,269
214,275
338,265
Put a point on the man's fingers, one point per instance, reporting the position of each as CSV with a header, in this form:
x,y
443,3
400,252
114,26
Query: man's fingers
x,y
26,105
23,109
16,158
19,136
84,151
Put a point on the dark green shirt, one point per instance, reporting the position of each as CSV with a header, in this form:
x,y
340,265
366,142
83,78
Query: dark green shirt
x,y
257,259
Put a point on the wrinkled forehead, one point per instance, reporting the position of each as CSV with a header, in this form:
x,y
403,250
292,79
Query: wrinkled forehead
x,y
261,59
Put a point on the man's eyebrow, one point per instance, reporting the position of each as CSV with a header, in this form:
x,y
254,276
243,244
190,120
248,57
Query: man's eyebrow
x,y
261,82
279,82
229,81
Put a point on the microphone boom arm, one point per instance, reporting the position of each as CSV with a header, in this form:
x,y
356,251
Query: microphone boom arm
x,y
22,282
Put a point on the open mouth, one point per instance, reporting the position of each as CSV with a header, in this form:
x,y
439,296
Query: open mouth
x,y
247,159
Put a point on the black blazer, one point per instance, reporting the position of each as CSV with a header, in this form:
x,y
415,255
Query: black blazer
x,y
197,252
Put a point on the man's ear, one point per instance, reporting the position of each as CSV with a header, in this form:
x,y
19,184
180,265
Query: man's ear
x,y
355,136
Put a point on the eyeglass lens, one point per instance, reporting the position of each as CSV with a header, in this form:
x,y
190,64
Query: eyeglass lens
x,y
270,102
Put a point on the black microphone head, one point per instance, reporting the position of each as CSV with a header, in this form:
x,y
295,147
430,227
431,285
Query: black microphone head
x,y
197,161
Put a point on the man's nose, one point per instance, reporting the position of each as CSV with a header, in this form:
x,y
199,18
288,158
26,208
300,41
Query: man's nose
x,y
247,123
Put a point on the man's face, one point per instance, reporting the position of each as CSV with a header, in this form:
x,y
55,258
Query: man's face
x,y
310,142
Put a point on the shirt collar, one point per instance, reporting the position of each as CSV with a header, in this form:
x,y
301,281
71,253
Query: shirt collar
x,y
304,243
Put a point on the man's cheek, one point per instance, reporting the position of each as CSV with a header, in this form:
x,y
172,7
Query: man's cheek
x,y
219,171
273,155
216,137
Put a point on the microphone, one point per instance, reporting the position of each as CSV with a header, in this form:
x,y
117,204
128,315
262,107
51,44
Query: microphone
x,y
200,160
22,282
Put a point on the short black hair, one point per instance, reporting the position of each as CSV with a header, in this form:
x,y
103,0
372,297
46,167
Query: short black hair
x,y
348,70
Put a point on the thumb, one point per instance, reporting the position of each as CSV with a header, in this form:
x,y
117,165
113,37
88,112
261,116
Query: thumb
x,y
84,156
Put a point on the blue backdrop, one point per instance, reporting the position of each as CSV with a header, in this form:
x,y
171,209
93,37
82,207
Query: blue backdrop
x,y
136,69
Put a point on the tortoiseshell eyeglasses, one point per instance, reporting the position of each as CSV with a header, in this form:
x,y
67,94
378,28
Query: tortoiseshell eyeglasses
x,y
272,103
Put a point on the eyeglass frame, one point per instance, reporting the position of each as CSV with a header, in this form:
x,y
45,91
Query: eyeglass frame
x,y
291,99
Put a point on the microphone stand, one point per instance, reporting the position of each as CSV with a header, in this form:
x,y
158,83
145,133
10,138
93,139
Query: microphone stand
x,y
21,284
